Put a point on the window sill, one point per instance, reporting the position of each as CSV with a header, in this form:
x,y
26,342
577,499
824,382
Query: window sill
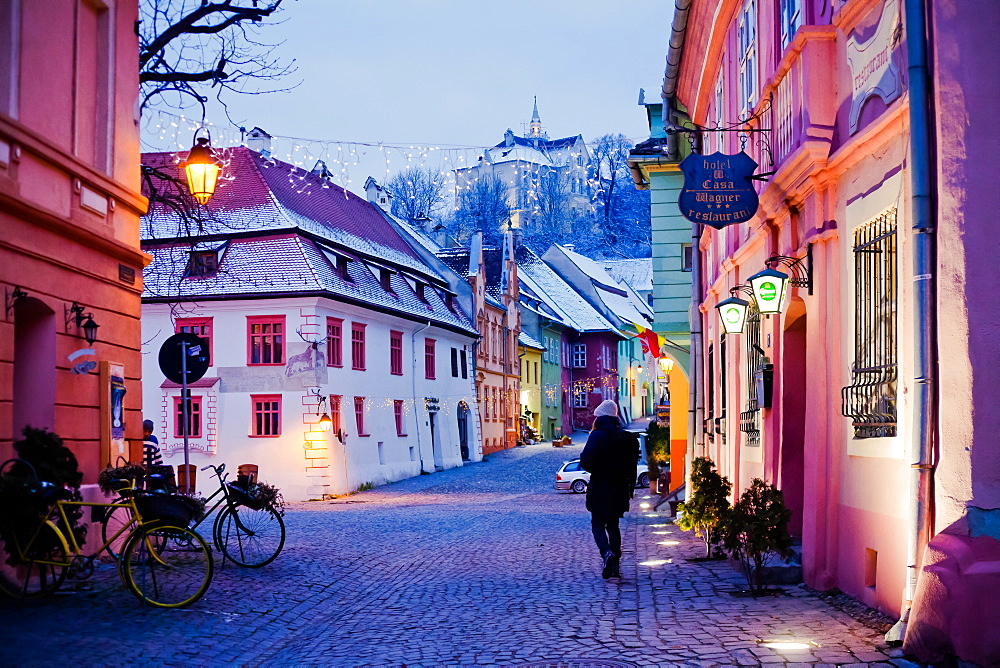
x,y
262,436
335,366
265,364
395,373
359,368
363,435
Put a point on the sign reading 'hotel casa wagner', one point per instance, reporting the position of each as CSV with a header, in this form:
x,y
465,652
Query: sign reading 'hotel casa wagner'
x,y
718,190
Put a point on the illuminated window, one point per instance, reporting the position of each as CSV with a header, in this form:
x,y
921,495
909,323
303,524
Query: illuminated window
x,y
579,396
358,346
336,418
266,340
194,417
396,353
334,342
265,415
199,327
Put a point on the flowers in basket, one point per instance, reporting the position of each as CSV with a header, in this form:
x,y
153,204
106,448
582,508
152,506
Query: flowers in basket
x,y
109,480
256,495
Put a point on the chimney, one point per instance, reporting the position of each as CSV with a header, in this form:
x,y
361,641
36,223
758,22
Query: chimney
x,y
569,247
259,141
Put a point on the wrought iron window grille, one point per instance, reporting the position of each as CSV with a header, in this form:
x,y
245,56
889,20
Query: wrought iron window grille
x,y
870,399
750,416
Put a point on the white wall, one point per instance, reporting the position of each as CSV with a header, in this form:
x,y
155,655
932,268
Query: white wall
x,y
285,461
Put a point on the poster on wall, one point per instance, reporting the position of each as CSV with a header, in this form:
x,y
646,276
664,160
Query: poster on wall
x,y
718,189
117,410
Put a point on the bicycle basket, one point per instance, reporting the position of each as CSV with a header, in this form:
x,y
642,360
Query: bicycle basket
x,y
165,509
241,496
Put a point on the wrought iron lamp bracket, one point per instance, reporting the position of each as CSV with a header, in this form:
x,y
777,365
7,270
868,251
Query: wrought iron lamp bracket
x,y
745,127
13,298
801,268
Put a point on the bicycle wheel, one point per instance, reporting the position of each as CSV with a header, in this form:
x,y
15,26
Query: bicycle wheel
x,y
169,567
43,569
248,537
114,520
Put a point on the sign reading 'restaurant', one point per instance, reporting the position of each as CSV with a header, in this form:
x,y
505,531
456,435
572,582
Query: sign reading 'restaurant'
x,y
718,189
873,69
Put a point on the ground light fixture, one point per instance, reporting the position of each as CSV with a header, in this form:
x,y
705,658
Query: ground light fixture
x,y
202,168
787,644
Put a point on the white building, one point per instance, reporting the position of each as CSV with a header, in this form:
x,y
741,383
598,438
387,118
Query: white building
x,y
312,303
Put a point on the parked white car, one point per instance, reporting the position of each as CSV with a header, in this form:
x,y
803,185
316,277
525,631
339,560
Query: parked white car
x,y
571,476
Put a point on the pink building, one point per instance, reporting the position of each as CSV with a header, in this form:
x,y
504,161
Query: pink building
x,y
881,429
69,225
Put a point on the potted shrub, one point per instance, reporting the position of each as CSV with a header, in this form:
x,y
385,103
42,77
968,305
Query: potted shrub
x,y
707,505
757,530
657,454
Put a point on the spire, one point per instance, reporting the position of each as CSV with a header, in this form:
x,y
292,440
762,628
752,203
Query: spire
x,y
535,127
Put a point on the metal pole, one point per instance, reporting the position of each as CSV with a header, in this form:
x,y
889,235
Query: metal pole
x,y
185,408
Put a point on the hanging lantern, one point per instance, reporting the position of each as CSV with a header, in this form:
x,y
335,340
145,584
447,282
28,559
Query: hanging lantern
x,y
202,169
325,423
770,288
733,312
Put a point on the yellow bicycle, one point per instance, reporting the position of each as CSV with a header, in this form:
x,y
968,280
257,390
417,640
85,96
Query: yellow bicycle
x,y
163,563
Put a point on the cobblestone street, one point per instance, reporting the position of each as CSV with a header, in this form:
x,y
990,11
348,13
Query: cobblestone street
x,y
482,565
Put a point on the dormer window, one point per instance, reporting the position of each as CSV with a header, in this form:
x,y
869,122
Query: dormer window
x,y
419,289
385,278
202,263
449,301
342,263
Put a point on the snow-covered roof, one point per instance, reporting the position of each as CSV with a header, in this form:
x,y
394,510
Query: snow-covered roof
x,y
257,193
517,153
618,298
636,273
571,309
528,341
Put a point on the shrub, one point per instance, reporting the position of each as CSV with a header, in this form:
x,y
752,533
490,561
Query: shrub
x,y
757,529
657,446
707,503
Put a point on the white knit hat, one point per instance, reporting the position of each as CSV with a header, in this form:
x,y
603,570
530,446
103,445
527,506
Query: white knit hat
x,y
606,407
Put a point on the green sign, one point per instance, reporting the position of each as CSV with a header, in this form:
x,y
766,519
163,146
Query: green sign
x,y
767,291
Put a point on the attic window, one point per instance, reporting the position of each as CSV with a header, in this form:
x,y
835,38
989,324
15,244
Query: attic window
x,y
342,263
385,278
202,263
449,301
419,289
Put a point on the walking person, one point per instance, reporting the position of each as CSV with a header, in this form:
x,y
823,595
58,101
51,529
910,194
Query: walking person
x,y
610,456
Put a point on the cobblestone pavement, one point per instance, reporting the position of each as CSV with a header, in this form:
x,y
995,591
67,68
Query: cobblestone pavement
x,y
486,564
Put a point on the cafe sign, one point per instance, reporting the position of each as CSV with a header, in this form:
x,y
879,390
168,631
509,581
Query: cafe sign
x,y
718,189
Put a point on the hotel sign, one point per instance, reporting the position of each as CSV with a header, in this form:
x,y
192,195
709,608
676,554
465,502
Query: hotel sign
x,y
718,189
873,71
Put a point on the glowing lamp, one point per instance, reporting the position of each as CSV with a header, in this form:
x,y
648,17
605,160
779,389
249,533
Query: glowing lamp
x,y
733,312
667,364
202,170
325,423
770,287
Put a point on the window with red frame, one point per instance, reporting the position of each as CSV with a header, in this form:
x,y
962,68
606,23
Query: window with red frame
x,y
358,346
397,410
334,342
265,415
396,353
266,337
429,365
335,414
496,411
199,327
359,415
194,418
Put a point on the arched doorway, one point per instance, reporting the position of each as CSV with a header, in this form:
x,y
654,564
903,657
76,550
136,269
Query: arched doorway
x,y
791,472
463,429
34,386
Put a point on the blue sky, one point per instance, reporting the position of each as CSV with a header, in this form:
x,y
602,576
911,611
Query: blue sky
x,y
434,72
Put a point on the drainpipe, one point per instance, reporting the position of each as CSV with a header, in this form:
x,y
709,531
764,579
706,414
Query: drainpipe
x,y
924,287
413,376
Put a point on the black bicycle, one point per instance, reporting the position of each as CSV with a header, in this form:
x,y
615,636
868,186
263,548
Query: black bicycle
x,y
247,530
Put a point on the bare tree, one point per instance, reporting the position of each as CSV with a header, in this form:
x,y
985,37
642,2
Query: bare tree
x,y
416,191
189,48
622,211
552,215
484,205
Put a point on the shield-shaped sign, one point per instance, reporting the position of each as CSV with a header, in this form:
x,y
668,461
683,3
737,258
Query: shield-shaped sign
x,y
718,189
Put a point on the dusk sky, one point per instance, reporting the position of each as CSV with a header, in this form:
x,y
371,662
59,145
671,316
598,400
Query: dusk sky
x,y
438,72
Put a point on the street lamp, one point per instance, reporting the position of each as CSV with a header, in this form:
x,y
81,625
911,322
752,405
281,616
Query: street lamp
x,y
83,320
202,168
770,287
733,311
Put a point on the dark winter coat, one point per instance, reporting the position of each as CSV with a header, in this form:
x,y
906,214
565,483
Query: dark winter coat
x,y
610,455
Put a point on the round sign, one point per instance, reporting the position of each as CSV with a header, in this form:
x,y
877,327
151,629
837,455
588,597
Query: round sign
x,y
767,291
196,362
733,315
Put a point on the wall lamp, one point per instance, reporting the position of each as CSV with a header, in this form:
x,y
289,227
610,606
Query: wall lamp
x,y
83,320
733,310
325,423
202,168
770,286
13,298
